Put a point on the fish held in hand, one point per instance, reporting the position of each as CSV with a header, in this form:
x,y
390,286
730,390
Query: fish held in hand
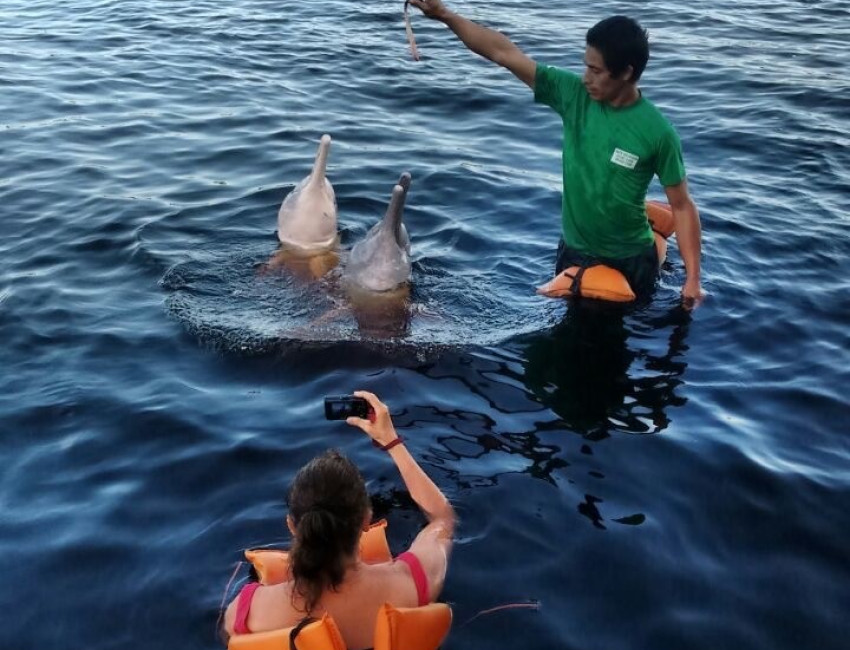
x,y
414,51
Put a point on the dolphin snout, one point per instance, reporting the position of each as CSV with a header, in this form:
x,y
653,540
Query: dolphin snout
x,y
395,211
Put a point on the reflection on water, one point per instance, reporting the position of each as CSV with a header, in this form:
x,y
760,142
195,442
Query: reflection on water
x,y
479,459
592,370
602,369
552,397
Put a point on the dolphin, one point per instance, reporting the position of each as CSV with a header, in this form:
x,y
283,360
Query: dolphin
x,y
380,262
307,220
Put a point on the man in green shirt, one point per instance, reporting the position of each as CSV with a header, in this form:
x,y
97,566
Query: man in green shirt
x,y
614,142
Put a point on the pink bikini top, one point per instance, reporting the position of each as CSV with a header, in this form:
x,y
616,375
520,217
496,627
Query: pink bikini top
x,y
243,604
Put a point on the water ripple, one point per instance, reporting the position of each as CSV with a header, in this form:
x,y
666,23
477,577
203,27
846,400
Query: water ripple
x,y
666,479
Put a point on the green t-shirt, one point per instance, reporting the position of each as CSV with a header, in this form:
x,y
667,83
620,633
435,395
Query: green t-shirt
x,y
610,156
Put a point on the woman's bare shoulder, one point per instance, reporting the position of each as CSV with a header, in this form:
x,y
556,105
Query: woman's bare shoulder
x,y
271,609
393,582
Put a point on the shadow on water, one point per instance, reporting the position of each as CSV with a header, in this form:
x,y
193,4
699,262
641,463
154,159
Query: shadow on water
x,y
476,454
542,402
603,368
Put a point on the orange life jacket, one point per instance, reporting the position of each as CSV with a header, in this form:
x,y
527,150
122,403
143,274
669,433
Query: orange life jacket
x,y
397,628
603,282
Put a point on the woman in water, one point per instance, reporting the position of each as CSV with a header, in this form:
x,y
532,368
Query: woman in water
x,y
328,510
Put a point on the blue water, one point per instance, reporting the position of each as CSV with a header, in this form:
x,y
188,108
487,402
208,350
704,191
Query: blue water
x,y
653,479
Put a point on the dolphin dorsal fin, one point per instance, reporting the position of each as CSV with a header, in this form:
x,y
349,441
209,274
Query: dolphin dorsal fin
x,y
321,165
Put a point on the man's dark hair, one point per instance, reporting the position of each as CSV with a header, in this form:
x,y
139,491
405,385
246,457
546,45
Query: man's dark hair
x,y
622,43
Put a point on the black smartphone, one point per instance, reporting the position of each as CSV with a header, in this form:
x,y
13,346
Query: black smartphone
x,y
339,407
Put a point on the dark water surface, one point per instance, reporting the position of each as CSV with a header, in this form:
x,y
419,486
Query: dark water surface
x,y
652,479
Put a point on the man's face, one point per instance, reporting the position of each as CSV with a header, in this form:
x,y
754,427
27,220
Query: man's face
x,y
600,84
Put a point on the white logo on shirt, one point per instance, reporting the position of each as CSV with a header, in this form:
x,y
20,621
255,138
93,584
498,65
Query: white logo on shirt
x,y
624,159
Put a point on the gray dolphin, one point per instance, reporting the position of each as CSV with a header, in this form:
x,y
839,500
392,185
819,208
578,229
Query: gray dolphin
x,y
307,220
381,260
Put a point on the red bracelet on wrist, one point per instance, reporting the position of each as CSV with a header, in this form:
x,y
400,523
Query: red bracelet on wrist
x,y
399,440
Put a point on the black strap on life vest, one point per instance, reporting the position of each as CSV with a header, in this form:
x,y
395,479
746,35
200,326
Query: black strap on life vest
x,y
575,289
297,630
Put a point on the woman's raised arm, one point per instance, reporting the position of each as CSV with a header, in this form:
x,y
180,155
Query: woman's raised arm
x,y
433,544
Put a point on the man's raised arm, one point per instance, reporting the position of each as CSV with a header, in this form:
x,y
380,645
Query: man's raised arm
x,y
487,42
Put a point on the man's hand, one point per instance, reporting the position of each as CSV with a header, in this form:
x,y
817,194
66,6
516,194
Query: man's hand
x,y
486,42
431,8
692,294
688,236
